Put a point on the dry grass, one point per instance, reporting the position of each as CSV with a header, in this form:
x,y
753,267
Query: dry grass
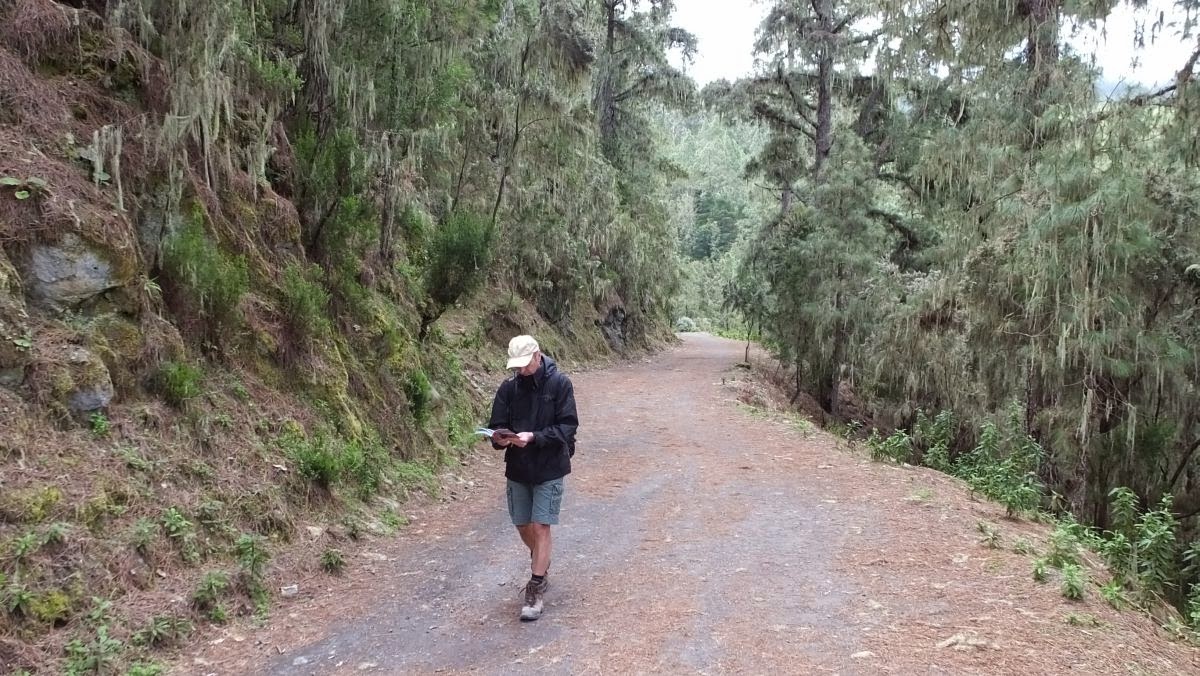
x,y
44,30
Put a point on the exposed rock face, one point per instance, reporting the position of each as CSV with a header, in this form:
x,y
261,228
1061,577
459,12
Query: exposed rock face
x,y
14,338
614,329
66,274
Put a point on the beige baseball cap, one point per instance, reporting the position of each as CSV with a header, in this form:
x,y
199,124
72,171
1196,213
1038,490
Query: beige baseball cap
x,y
520,350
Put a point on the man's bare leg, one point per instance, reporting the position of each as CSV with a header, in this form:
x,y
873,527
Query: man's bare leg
x,y
536,537
541,548
527,537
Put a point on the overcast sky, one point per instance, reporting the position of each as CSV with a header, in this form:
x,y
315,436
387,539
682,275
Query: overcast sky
x,y
726,32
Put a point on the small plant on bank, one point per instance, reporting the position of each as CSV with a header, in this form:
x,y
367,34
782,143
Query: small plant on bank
x,y
207,597
135,460
99,656
100,424
17,599
252,557
896,448
1083,620
306,303
163,631
420,394
56,533
1074,581
991,535
179,383
332,561
143,534
25,188
182,532
1114,594
1040,565
26,545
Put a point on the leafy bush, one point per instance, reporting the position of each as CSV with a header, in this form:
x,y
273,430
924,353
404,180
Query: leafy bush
x,y
459,254
363,463
179,382
306,303
215,279
207,597
1004,467
935,437
420,394
162,631
897,447
316,458
332,561
1074,581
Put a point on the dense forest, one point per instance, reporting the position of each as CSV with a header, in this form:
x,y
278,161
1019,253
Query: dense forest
x,y
255,256
965,224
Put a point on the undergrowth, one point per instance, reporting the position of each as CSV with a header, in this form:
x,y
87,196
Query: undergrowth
x,y
1149,567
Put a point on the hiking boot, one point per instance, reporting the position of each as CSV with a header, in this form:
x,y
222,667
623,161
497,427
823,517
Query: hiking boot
x,y
534,600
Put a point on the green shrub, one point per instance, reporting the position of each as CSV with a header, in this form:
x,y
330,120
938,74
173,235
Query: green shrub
x,y
1157,550
332,561
162,631
207,597
1004,467
306,303
315,457
420,394
96,657
215,279
99,424
935,437
179,382
459,254
252,555
1074,581
146,669
897,447
362,464
1039,569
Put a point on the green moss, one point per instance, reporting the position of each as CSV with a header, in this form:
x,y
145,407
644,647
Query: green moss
x,y
29,505
50,607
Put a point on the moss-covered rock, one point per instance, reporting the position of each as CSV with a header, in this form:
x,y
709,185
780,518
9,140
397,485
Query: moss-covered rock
x,y
73,271
118,342
70,377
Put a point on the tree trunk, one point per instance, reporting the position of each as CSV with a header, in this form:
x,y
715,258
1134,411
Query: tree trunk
x,y
606,96
824,130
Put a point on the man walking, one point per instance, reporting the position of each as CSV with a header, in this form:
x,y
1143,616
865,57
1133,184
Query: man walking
x,y
538,403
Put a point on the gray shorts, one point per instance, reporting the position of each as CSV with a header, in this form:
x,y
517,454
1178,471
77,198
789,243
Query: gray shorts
x,y
535,503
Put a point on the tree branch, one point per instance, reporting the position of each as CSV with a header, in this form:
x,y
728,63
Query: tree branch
x,y
1183,463
898,225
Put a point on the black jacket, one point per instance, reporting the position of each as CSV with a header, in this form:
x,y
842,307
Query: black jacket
x,y
543,403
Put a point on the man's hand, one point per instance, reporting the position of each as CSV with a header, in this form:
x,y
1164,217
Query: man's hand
x,y
502,442
522,439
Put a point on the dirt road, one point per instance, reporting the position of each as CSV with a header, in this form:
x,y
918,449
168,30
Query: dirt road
x,y
701,537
